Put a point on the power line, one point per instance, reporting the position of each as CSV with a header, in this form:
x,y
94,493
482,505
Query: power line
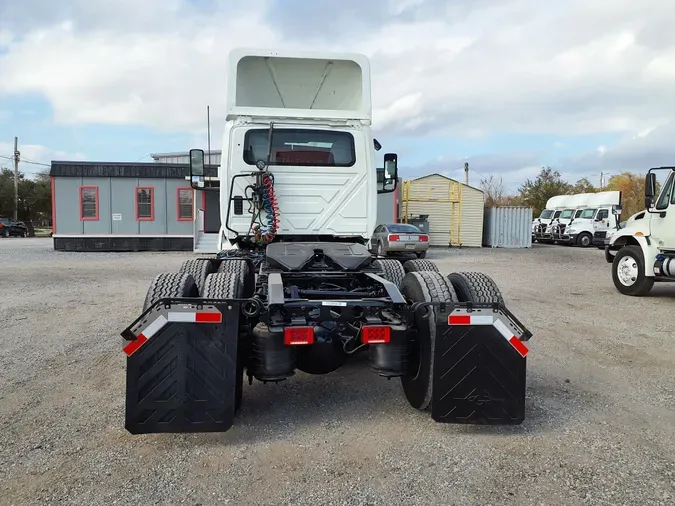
x,y
36,163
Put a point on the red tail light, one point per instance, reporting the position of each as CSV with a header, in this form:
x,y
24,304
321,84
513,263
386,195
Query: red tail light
x,y
298,336
394,237
376,334
424,238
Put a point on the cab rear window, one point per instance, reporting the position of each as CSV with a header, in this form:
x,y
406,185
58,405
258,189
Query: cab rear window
x,y
316,148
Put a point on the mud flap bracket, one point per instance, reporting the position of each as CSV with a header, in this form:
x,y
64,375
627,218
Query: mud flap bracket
x,y
479,370
181,368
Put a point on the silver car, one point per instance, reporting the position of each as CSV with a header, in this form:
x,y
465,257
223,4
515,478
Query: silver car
x,y
399,238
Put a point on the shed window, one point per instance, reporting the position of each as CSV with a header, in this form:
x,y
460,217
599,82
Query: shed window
x,y
185,196
145,203
89,203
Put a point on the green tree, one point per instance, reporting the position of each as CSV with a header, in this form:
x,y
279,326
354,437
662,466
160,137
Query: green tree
x,y
547,184
584,186
35,197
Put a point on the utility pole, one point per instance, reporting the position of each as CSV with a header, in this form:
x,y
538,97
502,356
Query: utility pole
x,y
16,178
602,179
466,172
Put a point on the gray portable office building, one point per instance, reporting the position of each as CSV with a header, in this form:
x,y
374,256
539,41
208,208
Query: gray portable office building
x,y
109,206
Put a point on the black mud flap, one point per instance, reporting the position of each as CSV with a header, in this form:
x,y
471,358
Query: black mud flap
x,y
181,369
479,373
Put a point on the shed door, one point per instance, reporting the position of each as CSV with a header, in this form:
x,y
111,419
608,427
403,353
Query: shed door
x,y
211,212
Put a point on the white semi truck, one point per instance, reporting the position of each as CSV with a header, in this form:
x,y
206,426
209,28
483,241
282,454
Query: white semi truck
x,y
643,251
580,219
595,216
541,226
295,286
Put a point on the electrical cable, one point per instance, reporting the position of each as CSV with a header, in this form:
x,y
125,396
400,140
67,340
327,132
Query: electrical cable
x,y
266,231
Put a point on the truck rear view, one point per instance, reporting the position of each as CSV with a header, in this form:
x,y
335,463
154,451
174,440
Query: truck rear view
x,y
296,287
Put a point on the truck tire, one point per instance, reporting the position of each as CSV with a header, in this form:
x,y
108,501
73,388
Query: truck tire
x,y
170,284
425,286
241,269
420,266
223,285
584,239
199,268
628,272
228,285
475,287
391,270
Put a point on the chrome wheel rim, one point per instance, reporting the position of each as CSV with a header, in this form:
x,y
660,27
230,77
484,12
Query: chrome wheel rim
x,y
627,271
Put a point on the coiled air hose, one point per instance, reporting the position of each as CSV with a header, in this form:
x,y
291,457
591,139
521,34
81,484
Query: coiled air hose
x,y
267,231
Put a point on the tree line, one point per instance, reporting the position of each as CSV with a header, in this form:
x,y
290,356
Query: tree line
x,y
534,193
35,197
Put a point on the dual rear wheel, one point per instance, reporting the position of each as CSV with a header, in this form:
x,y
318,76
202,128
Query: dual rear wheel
x,y
421,281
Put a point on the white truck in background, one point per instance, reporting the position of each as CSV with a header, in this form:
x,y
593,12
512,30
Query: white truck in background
x,y
597,215
541,227
581,219
643,251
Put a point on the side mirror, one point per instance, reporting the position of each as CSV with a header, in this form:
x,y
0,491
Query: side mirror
x,y
389,180
650,189
197,168
617,210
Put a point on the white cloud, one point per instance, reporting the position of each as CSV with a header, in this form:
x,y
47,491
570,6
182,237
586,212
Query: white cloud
x,y
456,68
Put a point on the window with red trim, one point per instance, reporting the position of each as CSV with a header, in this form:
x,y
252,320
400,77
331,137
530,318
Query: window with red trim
x,y
145,203
88,203
185,203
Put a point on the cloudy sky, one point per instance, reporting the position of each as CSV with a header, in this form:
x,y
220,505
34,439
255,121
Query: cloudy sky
x,y
507,85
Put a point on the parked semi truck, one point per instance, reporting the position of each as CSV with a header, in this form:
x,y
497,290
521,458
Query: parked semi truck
x,y
642,251
295,287
541,226
595,216
580,219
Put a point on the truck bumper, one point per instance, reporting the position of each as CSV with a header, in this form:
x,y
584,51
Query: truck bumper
x,y
565,238
184,361
600,239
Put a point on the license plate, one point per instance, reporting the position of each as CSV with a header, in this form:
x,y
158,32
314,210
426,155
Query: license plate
x,y
409,246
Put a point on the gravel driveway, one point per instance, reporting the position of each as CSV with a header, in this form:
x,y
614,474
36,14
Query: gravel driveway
x,y
600,426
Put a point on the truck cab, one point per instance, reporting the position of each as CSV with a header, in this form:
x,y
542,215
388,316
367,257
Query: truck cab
x,y
308,120
559,224
540,224
643,251
595,214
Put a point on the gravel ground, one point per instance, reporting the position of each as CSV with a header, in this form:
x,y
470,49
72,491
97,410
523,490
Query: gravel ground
x,y
600,426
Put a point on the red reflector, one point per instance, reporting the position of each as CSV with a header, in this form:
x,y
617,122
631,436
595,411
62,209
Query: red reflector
x,y
424,238
464,319
376,334
209,317
519,346
298,335
133,346
394,237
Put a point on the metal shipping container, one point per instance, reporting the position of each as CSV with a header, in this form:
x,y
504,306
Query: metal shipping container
x,y
507,227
